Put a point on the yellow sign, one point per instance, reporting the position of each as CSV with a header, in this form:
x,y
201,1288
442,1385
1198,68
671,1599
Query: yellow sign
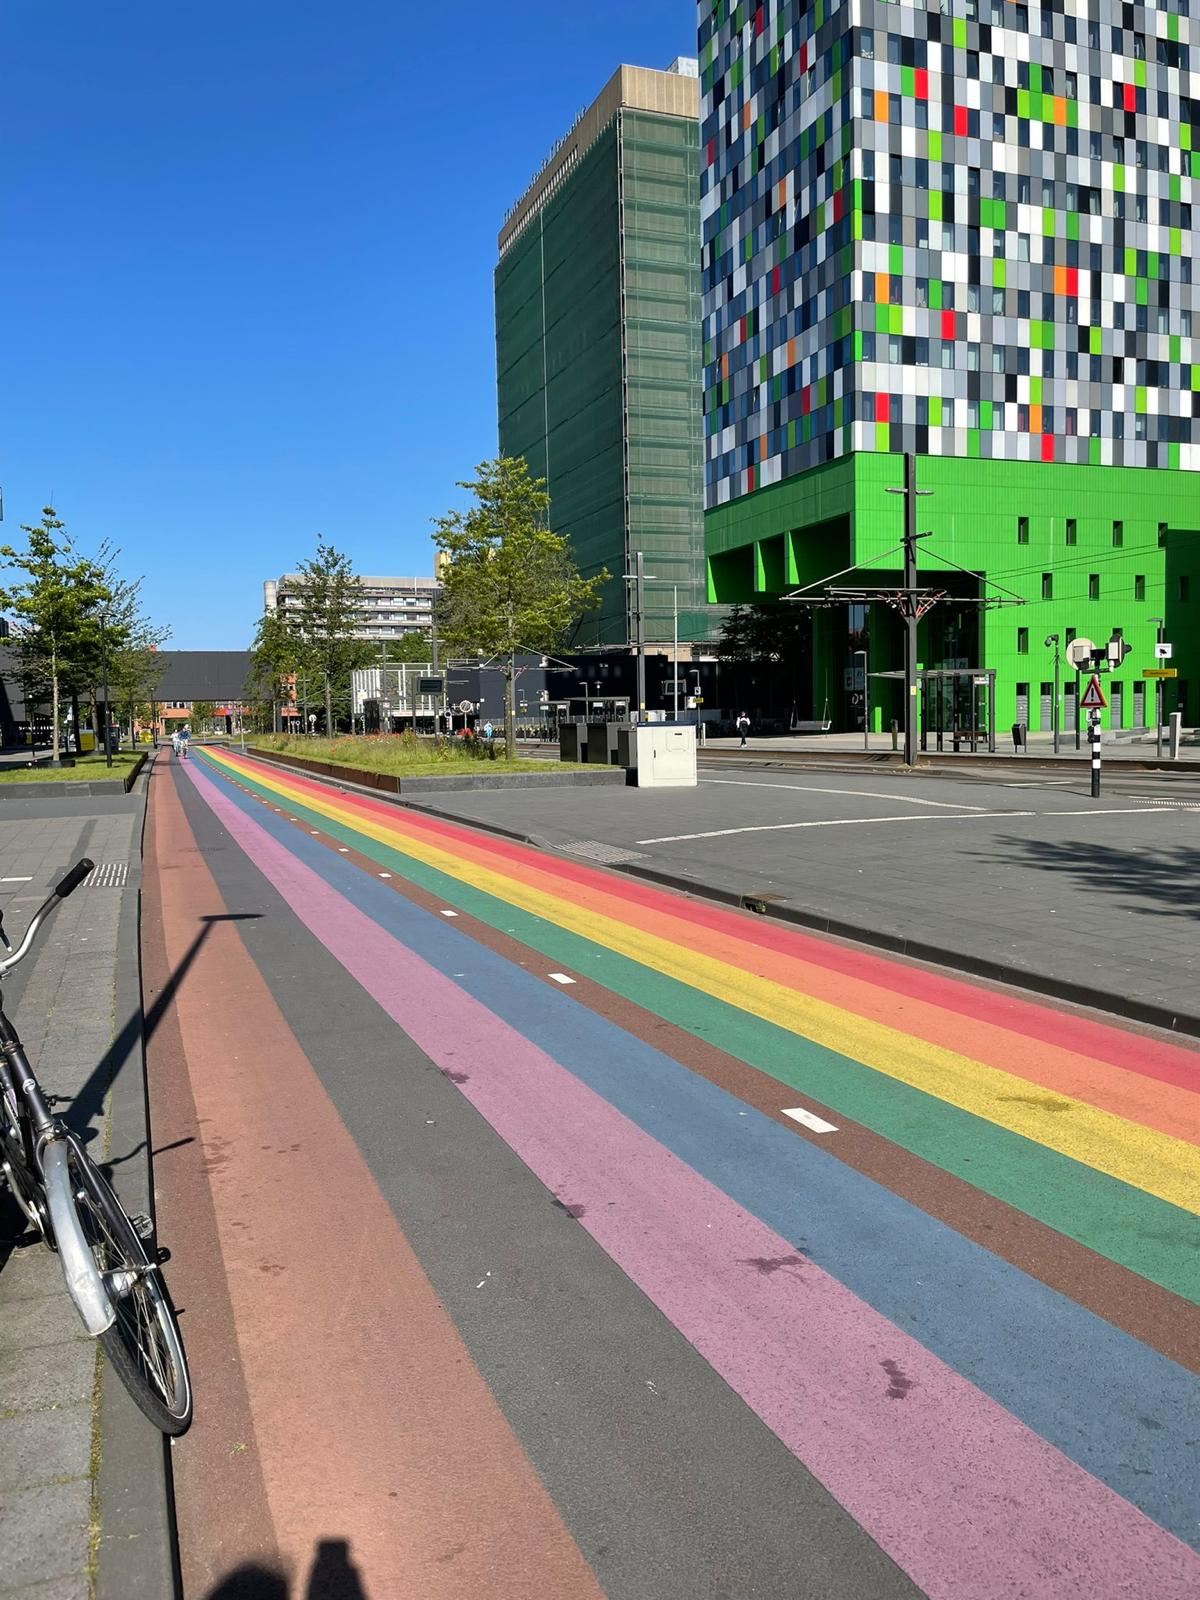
x,y
1160,672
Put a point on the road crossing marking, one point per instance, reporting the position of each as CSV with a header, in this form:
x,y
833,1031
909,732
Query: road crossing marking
x,y
869,794
832,822
810,1120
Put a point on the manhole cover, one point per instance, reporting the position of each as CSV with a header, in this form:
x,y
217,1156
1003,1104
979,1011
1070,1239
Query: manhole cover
x,y
610,854
107,875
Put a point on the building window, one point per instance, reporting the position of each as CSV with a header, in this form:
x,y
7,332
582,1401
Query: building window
x,y
1162,535
1118,535
1185,586
1093,586
1070,635
1022,641
1022,530
1072,531
1047,586
1139,586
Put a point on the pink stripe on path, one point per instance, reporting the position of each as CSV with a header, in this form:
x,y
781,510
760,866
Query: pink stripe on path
x,y
969,1501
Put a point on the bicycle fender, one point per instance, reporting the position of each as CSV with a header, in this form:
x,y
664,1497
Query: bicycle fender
x,y
84,1283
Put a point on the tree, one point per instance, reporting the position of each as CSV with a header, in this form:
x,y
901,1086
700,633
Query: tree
x,y
409,647
203,711
510,584
274,661
762,633
62,593
135,671
326,619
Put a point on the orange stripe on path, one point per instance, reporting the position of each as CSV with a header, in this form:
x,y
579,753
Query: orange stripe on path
x,y
1166,1108
371,1422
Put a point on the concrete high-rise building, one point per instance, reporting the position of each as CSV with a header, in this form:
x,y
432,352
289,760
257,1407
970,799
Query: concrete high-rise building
x,y
390,608
967,233
598,346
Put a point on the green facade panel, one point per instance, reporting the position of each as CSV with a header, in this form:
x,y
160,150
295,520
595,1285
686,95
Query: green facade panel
x,y
599,368
1089,550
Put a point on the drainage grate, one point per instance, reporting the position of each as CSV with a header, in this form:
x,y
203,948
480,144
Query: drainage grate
x,y
595,851
107,875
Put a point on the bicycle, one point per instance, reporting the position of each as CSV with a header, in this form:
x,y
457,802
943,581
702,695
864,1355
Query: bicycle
x,y
113,1274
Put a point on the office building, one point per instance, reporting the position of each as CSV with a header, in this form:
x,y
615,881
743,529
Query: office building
x,y
598,347
967,233
390,607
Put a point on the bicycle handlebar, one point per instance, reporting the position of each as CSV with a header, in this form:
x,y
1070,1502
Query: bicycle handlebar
x,y
67,886
74,878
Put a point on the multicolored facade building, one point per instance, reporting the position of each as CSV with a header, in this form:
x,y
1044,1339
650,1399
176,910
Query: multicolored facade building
x,y
963,231
598,348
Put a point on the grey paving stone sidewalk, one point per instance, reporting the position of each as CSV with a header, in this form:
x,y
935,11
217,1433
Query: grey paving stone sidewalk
x,y
62,999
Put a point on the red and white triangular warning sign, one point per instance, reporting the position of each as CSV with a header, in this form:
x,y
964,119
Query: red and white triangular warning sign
x,y
1093,696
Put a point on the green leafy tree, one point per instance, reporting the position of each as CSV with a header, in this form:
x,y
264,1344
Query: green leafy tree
x,y
326,618
510,584
274,662
761,633
55,605
410,647
135,671
202,713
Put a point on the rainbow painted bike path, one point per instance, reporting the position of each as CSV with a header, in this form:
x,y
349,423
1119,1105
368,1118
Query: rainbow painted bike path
x,y
941,1243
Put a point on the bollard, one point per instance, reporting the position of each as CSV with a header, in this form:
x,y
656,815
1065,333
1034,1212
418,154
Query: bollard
x,y
895,734
1174,733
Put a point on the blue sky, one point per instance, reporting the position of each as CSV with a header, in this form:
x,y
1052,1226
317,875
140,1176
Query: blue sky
x,y
247,267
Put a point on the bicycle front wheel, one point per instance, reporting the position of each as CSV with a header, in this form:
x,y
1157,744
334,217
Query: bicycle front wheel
x,y
143,1346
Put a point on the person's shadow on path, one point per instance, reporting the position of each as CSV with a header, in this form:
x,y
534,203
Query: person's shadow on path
x,y
333,1577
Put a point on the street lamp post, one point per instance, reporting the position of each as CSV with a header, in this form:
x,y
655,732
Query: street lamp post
x,y
584,686
104,672
1052,640
1161,628
866,701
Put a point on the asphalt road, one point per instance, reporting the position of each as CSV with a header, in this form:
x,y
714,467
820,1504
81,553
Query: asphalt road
x,y
1027,872
542,1233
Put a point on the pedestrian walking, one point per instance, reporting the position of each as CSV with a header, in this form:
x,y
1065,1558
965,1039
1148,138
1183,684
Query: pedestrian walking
x,y
488,730
743,727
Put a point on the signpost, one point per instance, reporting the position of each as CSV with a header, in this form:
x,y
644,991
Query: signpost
x,y
1093,703
1160,672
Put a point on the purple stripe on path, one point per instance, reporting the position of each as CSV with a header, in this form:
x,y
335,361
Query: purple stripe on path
x,y
965,1498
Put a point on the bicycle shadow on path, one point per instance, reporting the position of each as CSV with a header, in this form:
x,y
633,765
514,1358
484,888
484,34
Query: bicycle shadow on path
x,y
87,1105
334,1576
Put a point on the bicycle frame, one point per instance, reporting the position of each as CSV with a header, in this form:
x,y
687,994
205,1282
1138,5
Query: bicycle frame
x,y
45,1146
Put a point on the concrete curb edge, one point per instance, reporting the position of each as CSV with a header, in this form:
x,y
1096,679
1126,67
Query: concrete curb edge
x,y
137,1558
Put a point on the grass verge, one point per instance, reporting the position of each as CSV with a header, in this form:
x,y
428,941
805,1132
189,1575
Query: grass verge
x,y
86,767
403,754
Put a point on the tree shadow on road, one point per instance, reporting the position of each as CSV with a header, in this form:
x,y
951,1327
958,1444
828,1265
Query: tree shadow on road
x,y
1164,878
334,1576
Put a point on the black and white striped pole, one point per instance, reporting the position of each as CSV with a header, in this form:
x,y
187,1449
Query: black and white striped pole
x,y
1095,732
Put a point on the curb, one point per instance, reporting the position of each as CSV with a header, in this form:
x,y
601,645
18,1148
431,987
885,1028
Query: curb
x,y
937,762
137,1558
1065,989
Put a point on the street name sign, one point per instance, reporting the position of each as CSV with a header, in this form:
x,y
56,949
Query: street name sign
x,y
1160,672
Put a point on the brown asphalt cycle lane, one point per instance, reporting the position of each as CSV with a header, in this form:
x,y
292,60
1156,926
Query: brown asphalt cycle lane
x,y
337,1406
